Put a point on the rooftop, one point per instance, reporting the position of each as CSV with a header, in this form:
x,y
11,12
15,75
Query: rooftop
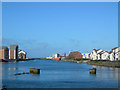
x,y
3,47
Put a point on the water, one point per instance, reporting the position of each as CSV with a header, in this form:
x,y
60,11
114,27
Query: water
x,y
58,74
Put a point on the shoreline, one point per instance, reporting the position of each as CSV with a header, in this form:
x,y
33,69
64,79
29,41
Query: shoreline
x,y
96,63
105,63
75,61
90,62
15,60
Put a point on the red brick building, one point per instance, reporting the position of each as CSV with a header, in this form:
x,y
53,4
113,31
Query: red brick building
x,y
4,52
75,55
13,52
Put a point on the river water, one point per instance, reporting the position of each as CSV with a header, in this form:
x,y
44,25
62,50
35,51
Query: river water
x,y
58,74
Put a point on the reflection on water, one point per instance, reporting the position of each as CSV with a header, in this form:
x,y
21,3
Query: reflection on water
x,y
108,72
58,74
12,68
0,75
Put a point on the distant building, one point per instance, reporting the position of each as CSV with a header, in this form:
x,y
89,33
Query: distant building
x,y
86,55
115,54
21,54
49,57
99,55
57,55
119,53
103,55
75,55
4,52
93,55
111,56
63,56
13,52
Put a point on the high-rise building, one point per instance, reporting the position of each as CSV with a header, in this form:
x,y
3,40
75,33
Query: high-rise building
x,y
13,52
4,52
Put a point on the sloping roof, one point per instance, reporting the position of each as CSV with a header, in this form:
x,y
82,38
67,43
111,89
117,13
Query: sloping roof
x,y
107,51
21,51
115,48
95,50
99,49
101,52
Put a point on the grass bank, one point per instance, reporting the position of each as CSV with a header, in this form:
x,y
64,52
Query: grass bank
x,y
104,63
75,60
95,62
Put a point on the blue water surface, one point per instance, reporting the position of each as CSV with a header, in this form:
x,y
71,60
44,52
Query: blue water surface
x,y
58,74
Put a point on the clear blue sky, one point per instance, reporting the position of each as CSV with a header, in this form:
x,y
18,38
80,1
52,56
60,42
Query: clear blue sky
x,y
42,29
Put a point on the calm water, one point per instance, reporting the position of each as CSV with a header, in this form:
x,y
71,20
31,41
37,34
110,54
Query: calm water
x,y
58,74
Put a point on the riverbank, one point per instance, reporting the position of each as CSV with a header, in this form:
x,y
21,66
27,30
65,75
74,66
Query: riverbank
x,y
90,62
16,60
75,61
105,63
96,62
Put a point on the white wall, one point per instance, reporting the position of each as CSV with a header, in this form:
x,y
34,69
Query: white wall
x,y
105,56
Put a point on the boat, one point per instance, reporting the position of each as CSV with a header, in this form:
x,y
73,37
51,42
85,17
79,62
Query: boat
x,y
56,59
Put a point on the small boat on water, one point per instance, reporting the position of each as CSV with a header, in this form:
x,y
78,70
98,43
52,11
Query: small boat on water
x,y
56,59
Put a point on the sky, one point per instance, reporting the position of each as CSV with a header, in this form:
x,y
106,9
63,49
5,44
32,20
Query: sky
x,y
45,28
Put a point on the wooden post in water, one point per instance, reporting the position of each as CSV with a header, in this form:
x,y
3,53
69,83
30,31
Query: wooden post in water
x,y
31,70
34,71
92,71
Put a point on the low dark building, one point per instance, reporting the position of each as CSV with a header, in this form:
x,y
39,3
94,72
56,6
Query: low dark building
x,y
75,55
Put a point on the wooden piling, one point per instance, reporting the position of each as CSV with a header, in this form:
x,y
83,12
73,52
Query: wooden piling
x,y
92,71
34,71
18,73
27,72
31,70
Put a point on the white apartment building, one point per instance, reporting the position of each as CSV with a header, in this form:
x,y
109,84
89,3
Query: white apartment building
x,y
115,54
100,54
105,55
